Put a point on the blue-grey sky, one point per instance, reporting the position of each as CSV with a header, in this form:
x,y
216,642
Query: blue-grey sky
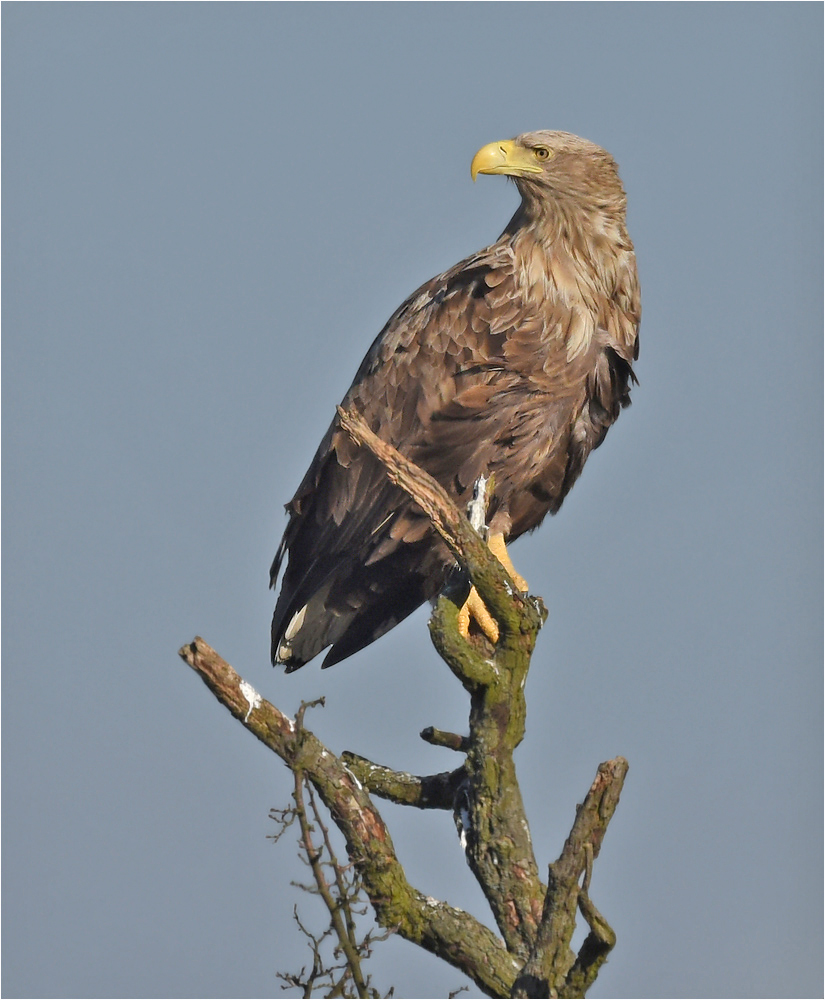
x,y
209,211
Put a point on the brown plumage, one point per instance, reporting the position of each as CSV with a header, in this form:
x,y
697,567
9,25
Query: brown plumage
x,y
515,362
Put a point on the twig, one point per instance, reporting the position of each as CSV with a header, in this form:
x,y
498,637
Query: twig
x,y
438,738
346,939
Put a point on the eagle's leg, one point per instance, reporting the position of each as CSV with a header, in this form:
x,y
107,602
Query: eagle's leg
x,y
475,608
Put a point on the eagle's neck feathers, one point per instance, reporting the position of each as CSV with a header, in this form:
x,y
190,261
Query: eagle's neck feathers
x,y
574,251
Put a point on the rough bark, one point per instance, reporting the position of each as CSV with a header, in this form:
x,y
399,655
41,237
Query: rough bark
x,y
536,922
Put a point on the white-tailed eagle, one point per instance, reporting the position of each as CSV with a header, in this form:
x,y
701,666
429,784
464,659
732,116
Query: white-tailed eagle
x,y
514,363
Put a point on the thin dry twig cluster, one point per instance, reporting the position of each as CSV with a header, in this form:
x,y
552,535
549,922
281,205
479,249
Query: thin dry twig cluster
x,y
339,974
531,955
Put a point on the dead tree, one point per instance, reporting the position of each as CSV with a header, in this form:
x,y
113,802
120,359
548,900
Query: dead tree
x,y
532,957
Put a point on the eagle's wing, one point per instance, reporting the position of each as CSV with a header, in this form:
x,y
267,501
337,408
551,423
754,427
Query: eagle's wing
x,y
339,587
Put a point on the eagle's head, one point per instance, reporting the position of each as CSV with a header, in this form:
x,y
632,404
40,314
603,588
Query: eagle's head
x,y
555,165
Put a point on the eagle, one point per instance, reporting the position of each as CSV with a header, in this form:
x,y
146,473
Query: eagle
x,y
512,366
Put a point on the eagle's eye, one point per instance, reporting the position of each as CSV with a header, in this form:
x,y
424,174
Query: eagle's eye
x,y
542,153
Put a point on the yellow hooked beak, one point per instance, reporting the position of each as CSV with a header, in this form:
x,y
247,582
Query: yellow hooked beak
x,y
506,157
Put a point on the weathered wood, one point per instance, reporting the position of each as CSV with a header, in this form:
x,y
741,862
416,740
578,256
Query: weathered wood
x,y
536,922
553,969
444,930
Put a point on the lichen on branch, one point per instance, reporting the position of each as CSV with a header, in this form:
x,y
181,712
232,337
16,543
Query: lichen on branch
x,y
532,957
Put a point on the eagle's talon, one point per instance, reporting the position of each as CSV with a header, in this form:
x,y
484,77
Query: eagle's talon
x,y
499,549
475,608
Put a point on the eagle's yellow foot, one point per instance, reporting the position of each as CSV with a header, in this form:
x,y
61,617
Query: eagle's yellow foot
x,y
497,546
475,608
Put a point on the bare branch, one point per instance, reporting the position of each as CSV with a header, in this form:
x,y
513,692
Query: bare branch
x,y
436,791
489,811
444,930
493,583
551,959
593,953
438,738
536,922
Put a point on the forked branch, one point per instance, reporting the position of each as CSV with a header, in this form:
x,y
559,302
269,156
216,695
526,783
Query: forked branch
x,y
535,921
